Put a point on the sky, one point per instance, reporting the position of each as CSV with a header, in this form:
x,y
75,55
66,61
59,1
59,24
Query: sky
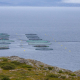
x,y
72,3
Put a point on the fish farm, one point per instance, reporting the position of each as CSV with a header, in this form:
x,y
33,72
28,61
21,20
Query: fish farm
x,y
40,44
31,40
4,41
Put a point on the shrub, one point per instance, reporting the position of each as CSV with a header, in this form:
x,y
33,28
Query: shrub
x,y
73,74
4,77
50,68
63,77
67,72
53,75
60,71
41,65
26,66
2,63
16,62
8,66
46,79
29,69
4,59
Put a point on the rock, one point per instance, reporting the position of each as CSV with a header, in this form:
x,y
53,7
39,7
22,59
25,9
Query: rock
x,y
21,60
27,61
77,73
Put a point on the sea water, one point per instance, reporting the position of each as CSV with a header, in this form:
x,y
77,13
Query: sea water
x,y
59,25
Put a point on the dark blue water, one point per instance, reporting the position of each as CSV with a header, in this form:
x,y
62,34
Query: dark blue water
x,y
59,25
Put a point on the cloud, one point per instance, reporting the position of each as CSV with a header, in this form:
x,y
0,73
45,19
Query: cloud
x,y
71,1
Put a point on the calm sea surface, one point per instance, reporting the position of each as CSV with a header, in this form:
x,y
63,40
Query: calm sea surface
x,y
59,25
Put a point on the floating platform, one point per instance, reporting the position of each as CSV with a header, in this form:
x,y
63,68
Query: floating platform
x,y
41,46
39,43
4,38
30,34
32,37
43,49
36,41
2,46
6,41
4,34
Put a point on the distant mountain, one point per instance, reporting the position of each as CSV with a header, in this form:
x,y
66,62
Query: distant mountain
x,y
4,3
37,3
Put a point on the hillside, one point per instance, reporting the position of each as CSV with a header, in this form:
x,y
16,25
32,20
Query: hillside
x,y
16,68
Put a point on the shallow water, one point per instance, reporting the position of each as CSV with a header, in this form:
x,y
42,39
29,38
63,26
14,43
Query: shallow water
x,y
60,26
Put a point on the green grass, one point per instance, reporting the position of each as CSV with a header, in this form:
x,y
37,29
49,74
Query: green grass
x,y
8,66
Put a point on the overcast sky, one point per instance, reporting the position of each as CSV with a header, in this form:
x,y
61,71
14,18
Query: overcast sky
x,y
40,3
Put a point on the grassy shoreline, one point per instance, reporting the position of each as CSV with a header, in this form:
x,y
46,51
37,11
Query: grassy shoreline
x,y
15,68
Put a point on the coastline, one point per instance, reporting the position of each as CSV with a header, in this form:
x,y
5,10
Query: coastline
x,y
38,63
16,68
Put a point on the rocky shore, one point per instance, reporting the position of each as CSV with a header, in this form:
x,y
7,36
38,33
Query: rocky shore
x,y
38,66
35,63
